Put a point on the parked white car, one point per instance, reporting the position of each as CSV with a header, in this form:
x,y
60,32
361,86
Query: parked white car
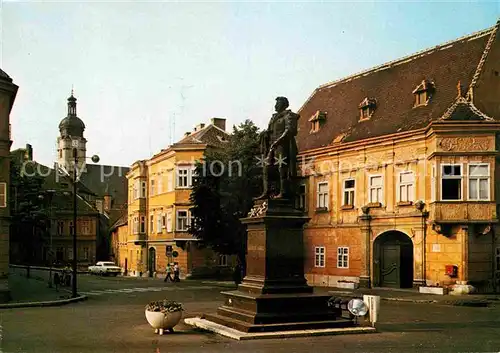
x,y
105,268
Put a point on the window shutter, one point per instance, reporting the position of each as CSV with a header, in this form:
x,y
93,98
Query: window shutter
x,y
169,221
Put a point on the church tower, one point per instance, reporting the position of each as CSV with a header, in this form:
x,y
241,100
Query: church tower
x,y
71,136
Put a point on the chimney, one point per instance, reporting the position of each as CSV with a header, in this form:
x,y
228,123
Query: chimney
x,y
219,122
199,127
107,202
29,152
186,134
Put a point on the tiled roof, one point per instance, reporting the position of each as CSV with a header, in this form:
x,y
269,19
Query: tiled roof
x,y
122,220
392,85
106,179
464,110
210,135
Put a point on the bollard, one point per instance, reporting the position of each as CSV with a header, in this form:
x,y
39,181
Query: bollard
x,y
373,304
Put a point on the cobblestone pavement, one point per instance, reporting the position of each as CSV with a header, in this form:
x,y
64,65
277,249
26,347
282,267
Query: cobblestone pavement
x,y
115,322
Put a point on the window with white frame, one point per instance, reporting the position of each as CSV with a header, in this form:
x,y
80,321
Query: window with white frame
x,y
182,220
3,195
376,189
158,223
143,189
170,183
349,188
143,224
136,189
85,227
343,257
160,183
85,253
319,256
479,182
406,188
322,195
152,188
451,182
184,176
169,221
151,223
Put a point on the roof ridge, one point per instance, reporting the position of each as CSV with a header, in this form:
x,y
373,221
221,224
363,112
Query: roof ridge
x,y
480,65
472,36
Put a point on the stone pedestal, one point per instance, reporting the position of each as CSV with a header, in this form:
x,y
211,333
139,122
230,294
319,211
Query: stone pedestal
x,y
274,295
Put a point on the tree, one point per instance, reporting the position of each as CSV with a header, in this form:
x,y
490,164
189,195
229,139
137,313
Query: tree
x,y
28,212
223,190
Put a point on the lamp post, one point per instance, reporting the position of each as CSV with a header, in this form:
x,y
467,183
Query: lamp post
x,y
95,159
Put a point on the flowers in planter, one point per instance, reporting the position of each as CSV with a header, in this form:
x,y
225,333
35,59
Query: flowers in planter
x,y
164,306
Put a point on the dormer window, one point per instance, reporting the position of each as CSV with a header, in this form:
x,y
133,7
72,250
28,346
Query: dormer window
x,y
367,108
423,93
317,121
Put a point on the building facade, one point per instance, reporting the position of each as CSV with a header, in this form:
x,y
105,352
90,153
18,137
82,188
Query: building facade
x,y
400,170
8,92
159,206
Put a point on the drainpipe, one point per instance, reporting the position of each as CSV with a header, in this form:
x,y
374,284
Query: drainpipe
x,y
420,206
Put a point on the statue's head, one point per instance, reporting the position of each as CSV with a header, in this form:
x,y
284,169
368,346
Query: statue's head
x,y
281,104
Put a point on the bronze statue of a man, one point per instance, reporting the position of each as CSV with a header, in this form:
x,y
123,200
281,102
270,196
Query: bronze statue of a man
x,y
279,146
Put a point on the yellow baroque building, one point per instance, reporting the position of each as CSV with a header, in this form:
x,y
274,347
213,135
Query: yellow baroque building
x,y
400,171
158,213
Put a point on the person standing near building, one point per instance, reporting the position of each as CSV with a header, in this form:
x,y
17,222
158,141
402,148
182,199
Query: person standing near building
x,y
168,277
176,273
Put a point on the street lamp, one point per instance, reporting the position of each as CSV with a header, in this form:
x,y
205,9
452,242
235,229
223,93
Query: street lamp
x,y
94,159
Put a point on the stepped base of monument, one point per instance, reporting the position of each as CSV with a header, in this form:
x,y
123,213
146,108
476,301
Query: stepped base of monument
x,y
248,312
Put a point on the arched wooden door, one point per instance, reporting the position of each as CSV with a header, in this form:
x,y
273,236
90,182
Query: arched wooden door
x,y
393,260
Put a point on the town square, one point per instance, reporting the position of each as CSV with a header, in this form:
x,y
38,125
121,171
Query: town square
x,y
184,177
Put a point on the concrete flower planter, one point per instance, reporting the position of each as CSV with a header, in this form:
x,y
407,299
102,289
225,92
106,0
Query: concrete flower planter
x,y
347,285
163,321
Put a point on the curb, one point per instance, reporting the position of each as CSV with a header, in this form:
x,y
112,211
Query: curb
x,y
43,304
470,303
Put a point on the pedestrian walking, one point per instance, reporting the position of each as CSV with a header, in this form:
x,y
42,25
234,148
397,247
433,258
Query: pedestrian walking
x,y
57,281
176,273
168,277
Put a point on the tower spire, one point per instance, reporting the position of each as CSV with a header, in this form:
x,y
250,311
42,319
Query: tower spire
x,y
72,104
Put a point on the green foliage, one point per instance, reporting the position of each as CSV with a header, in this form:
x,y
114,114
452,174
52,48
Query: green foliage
x,y
164,306
223,191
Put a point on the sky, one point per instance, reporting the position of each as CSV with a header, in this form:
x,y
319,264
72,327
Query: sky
x,y
146,72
